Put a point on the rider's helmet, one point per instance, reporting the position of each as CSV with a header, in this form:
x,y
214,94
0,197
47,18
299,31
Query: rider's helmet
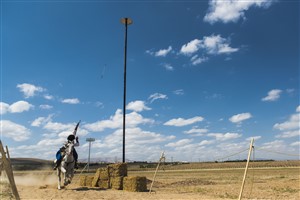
x,y
71,138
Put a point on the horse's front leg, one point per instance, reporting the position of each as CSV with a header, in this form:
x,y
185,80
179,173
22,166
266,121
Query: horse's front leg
x,y
59,179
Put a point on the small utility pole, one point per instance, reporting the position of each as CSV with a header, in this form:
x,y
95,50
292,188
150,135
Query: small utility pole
x,y
90,140
246,169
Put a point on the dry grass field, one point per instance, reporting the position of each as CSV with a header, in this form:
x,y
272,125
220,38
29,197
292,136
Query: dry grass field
x,y
189,181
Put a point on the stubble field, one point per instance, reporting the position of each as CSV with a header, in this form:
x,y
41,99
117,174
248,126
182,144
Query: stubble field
x,y
269,182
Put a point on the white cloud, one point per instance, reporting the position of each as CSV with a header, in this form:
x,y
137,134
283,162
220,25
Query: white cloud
x,y
231,10
29,90
240,117
156,96
41,121
183,122
45,107
137,106
179,92
206,142
215,44
273,95
14,131
196,130
179,143
292,123
191,47
198,60
289,134
20,106
133,119
298,109
48,97
163,52
71,101
168,66
4,108
226,136
296,143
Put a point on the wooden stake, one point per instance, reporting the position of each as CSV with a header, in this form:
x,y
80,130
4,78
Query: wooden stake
x,y
246,169
162,157
6,164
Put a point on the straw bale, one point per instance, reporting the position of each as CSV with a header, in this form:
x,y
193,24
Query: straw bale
x,y
135,184
88,181
103,173
118,169
116,183
96,178
82,180
104,184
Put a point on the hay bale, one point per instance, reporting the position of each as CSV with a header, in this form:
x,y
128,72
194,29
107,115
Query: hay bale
x,y
103,173
96,178
89,180
118,169
135,184
116,183
104,184
82,180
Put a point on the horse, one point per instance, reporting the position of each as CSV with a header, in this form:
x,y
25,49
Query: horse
x,y
66,166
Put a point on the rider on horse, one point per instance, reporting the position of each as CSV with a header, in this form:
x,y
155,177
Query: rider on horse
x,y
59,155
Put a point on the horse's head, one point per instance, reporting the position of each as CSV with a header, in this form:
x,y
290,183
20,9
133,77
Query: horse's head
x,y
69,153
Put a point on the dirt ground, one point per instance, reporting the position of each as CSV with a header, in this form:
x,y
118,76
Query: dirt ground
x,y
264,183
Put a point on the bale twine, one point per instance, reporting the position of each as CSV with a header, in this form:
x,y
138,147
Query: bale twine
x,y
118,169
116,183
135,184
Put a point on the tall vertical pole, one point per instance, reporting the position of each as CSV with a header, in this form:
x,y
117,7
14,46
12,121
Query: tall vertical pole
x,y
90,140
89,159
246,169
127,22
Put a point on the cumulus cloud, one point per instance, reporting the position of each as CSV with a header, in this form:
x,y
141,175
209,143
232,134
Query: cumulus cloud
x,y
231,10
163,52
4,108
133,119
226,136
240,117
71,101
298,109
17,107
213,45
41,121
14,131
273,95
289,128
183,122
156,96
137,106
179,143
29,90
191,47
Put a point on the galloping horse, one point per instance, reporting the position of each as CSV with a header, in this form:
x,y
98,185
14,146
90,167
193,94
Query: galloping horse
x,y
66,166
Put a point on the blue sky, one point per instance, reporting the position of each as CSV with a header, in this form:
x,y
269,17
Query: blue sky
x,y
203,77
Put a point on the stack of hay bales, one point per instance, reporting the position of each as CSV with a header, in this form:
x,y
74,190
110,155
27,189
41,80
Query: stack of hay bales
x,y
117,172
114,176
103,179
135,184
